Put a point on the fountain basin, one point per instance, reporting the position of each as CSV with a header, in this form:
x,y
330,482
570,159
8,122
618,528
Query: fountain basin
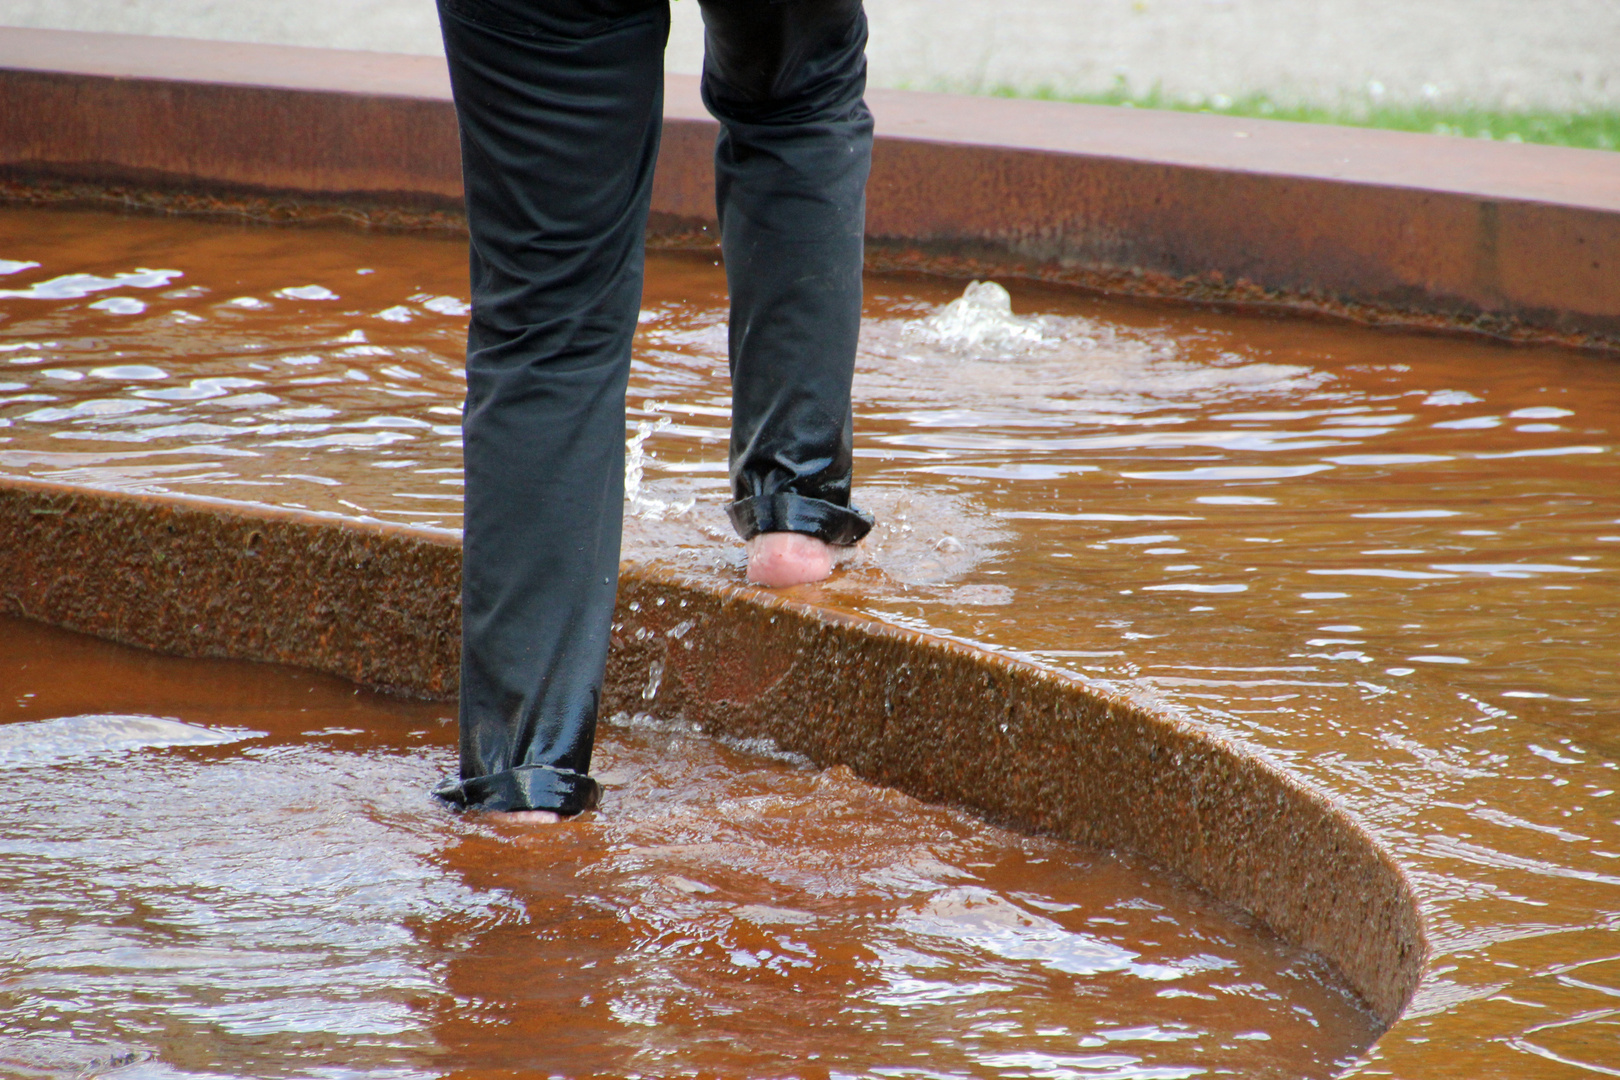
x,y
1075,760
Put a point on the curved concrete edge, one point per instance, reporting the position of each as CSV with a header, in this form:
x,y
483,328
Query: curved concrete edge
x,y
1520,242
1027,748
1020,745
373,603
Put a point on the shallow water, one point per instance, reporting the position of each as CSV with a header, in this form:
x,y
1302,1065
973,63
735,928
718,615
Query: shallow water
x,y
230,869
1384,561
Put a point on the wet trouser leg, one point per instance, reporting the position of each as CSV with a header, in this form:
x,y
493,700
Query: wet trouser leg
x,y
560,105
786,82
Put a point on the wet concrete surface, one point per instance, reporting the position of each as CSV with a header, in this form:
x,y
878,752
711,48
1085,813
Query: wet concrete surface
x,y
1381,563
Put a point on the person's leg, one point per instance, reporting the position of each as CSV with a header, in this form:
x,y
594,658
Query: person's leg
x,y
785,78
560,106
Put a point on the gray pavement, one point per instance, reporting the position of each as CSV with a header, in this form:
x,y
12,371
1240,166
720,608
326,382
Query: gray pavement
x,y
1554,54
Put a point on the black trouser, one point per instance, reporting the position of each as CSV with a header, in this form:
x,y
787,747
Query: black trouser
x,y
560,104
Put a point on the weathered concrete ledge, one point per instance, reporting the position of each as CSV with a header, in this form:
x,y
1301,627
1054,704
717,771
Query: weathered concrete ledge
x,y
1023,746
1385,227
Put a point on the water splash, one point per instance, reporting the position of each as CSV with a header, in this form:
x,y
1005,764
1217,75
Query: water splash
x,y
924,537
1067,362
980,321
638,504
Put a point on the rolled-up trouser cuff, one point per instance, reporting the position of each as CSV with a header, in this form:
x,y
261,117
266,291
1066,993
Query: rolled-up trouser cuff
x,y
787,512
527,787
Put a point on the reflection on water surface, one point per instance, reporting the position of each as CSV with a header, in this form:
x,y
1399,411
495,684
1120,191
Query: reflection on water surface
x,y
1384,561
231,869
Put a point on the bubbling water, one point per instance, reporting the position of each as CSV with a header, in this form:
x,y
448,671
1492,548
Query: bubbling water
x,y
980,321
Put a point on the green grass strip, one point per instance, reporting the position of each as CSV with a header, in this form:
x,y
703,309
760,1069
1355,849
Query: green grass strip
x,y
1594,130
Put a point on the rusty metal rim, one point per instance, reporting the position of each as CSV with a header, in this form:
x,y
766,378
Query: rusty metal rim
x,y
1512,241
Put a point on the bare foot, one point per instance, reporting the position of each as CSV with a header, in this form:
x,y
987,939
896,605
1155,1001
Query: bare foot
x,y
779,559
532,817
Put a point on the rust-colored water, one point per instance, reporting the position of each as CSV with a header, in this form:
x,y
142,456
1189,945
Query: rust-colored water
x,y
230,869
1385,562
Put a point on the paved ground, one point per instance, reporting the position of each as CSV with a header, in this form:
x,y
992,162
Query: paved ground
x,y
1558,54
